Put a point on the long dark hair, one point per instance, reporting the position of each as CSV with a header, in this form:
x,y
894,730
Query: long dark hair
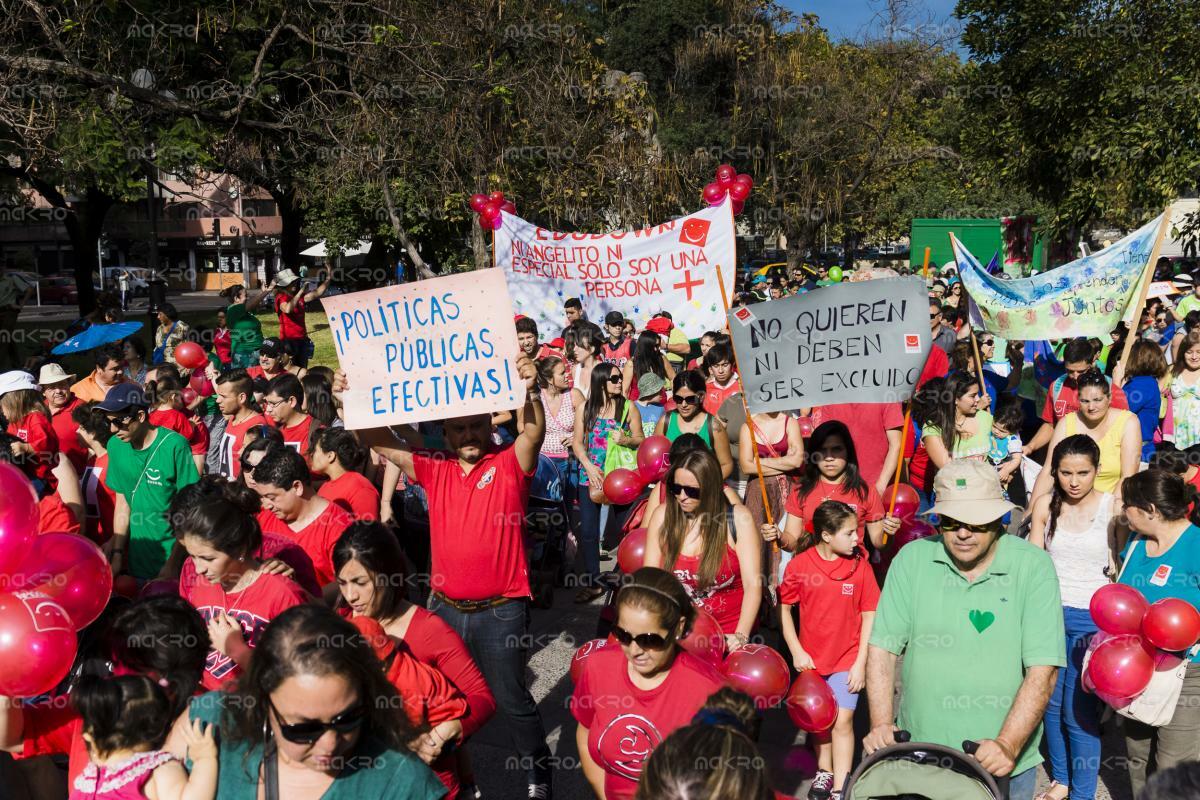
x,y
163,637
373,545
647,358
598,395
713,513
318,398
1079,444
313,640
851,480
940,411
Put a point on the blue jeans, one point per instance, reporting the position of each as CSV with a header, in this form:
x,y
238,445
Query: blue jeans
x,y
1021,785
1073,715
498,639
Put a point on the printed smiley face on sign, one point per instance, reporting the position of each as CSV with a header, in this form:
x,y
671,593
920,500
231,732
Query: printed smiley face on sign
x,y
694,232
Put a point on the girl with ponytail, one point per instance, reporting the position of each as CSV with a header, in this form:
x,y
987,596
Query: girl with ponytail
x,y
1075,523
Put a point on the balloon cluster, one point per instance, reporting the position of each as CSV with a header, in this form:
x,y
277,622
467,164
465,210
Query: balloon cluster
x,y
489,207
1136,639
729,183
51,586
623,486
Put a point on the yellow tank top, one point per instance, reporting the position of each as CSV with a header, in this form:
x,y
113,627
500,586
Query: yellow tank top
x,y
1110,448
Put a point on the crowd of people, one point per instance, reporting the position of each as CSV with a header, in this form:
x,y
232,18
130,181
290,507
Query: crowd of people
x,y
336,613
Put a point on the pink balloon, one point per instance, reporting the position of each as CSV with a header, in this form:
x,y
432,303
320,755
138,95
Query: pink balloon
x,y
758,671
621,486
739,192
201,385
1085,680
654,458
745,180
19,517
806,426
498,223
631,553
190,355
713,193
37,644
478,201
907,501
70,570
705,640
188,395
1171,624
1120,667
811,703
1114,701
1118,609
726,174
583,652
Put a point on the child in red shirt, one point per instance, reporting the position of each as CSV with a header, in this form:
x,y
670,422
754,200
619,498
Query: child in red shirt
x,y
167,392
339,457
29,421
832,585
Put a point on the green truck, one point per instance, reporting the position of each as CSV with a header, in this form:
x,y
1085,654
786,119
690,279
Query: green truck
x,y
1021,251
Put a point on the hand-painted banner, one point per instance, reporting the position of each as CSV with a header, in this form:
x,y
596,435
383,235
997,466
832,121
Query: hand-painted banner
x,y
848,343
1086,297
439,348
668,267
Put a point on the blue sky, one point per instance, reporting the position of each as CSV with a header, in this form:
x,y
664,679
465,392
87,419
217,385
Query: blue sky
x,y
848,18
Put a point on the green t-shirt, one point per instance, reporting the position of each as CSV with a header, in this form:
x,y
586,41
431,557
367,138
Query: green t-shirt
x,y
1189,303
149,479
977,445
245,331
372,772
967,645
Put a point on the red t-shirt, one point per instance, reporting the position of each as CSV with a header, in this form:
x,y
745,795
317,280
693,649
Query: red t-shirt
x,y
291,326
868,424
98,500
618,354
231,445
174,419
55,517
296,437
68,441
51,731
36,431
354,493
435,643
223,345
715,395
869,509
832,596
625,724
317,538
476,524
253,608
1067,401
273,546
936,366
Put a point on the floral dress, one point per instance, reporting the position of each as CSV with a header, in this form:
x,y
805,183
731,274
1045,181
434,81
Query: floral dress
x,y
597,445
1185,407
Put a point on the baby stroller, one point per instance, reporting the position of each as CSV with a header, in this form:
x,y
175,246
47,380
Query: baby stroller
x,y
547,523
922,771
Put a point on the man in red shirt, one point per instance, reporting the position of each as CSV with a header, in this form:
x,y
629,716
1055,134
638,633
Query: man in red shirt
x,y
338,456
291,508
479,574
722,381
235,391
527,340
1063,397
290,299
56,391
284,402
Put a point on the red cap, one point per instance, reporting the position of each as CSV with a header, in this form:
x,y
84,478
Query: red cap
x,y
660,325
517,317
558,344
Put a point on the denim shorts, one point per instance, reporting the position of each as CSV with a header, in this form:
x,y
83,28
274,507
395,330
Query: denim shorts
x,y
840,683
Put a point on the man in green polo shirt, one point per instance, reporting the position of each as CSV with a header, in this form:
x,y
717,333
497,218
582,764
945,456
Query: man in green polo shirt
x,y
147,466
977,616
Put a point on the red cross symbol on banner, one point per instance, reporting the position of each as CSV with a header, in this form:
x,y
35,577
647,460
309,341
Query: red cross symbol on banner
x,y
688,283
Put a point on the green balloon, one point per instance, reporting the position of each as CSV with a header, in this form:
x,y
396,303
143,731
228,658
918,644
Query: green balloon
x,y
835,274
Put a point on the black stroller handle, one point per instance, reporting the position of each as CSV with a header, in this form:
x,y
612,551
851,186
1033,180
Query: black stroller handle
x,y
903,736
969,747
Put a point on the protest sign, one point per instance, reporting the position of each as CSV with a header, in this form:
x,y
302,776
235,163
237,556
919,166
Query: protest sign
x,y
1086,297
443,347
849,343
668,267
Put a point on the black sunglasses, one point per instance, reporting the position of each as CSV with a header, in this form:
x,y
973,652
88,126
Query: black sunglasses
x,y
691,491
680,399
934,314
309,732
987,342
646,641
614,378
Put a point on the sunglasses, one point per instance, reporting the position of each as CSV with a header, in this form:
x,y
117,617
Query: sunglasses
x,y
309,732
119,422
646,641
986,343
946,525
614,378
934,314
677,489
689,399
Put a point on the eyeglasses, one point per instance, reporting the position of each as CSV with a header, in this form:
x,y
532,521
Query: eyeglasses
x,y
646,641
681,399
309,732
947,525
677,489
269,403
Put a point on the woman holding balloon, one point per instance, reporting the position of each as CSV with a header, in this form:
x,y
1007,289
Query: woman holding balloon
x,y
659,685
1163,562
1075,524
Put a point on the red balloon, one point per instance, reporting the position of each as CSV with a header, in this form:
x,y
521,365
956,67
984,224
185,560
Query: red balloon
x,y
498,223
726,174
37,644
508,207
738,205
745,180
622,486
907,502
1120,667
631,552
70,570
758,671
478,201
811,704
188,395
490,212
190,355
582,654
654,458
912,531
806,426
713,193
739,192
158,587
705,640
201,385
125,586
1171,624
487,225
1113,701
1118,609
496,198
19,517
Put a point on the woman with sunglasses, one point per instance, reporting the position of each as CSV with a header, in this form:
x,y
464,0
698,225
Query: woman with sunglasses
x,y
315,717
629,698
605,413
709,545
254,446
689,416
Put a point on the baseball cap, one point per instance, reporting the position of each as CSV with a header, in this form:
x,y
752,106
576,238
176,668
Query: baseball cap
x,y
15,381
969,491
271,347
123,396
660,325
